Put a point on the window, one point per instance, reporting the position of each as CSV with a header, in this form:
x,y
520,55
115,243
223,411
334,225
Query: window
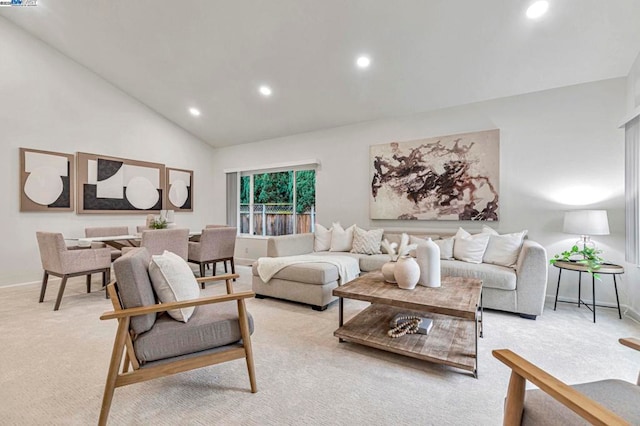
x,y
277,203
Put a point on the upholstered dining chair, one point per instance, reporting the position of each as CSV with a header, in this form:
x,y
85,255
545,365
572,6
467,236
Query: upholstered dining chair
x,y
107,231
175,240
604,402
215,245
148,345
59,261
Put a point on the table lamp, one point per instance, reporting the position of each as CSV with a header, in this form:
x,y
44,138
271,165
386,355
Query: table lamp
x,y
586,223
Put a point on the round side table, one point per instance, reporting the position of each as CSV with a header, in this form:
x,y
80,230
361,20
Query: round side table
x,y
605,269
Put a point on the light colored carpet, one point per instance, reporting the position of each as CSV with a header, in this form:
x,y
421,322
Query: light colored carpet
x,y
53,366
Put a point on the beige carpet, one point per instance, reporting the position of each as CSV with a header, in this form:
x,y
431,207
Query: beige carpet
x,y
53,366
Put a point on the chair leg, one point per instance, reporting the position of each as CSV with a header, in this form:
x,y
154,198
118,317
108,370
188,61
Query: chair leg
x,y
246,342
233,267
213,268
106,277
224,262
114,365
60,292
202,273
43,288
88,283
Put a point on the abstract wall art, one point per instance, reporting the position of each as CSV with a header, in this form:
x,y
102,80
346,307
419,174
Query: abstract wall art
x,y
453,177
46,181
179,190
118,185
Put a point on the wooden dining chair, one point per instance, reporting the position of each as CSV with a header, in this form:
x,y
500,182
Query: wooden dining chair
x,y
59,261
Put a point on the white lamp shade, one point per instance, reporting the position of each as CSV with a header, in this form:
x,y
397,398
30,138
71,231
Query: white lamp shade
x,y
586,222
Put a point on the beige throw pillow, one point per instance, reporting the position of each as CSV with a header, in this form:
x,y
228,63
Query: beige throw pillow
x,y
503,249
173,281
470,248
366,242
445,245
341,239
322,241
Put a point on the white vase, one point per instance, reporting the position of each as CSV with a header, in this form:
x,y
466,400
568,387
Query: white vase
x,y
407,273
388,271
428,257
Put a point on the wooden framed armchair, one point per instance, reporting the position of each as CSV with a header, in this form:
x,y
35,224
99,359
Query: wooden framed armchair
x,y
604,402
148,345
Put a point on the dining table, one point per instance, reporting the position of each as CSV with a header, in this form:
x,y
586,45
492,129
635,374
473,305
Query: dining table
x,y
120,241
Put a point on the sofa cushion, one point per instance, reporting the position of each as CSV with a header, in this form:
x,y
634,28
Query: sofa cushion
x,y
210,326
310,273
492,276
503,249
173,281
366,242
322,241
341,239
373,262
134,286
470,248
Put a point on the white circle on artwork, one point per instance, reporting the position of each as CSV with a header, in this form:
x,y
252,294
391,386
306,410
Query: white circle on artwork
x,y
178,193
43,185
141,193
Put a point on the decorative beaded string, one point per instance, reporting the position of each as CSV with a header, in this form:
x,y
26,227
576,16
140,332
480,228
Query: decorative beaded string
x,y
408,324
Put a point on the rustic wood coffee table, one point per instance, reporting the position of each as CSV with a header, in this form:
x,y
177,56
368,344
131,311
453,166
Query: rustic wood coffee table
x,y
455,308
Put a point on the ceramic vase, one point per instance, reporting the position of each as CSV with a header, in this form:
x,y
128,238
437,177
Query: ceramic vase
x,y
428,258
388,271
407,273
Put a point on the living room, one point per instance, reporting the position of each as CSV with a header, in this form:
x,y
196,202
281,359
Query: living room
x,y
562,148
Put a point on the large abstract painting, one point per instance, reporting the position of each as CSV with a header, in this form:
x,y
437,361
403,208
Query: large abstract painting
x,y
46,181
453,177
179,190
118,185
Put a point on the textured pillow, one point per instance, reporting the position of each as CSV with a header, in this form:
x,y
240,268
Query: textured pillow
x,y
341,239
322,241
470,248
366,242
503,249
445,245
173,281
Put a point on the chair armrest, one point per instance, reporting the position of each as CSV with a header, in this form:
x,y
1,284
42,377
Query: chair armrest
x,y
162,307
585,407
217,278
631,342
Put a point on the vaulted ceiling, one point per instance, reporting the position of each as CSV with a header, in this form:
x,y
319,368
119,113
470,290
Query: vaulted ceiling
x,y
425,55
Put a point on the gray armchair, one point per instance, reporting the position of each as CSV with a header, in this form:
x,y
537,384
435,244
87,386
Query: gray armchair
x,y
216,245
108,231
604,402
59,261
155,346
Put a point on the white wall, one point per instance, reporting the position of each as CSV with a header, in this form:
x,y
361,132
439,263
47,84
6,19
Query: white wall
x,y
560,150
51,103
633,86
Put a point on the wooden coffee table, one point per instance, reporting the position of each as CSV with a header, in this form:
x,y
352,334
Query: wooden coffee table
x,y
455,308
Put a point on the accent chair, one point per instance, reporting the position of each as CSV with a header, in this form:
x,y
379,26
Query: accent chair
x,y
154,346
61,262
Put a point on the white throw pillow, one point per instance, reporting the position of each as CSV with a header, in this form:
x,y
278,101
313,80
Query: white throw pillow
x,y
341,239
173,281
366,242
503,249
322,241
445,245
470,248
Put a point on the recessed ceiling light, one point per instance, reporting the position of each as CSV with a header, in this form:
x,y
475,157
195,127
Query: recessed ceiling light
x,y
265,90
363,62
194,111
537,9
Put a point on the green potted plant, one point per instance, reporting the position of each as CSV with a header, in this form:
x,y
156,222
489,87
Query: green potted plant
x,y
587,256
158,223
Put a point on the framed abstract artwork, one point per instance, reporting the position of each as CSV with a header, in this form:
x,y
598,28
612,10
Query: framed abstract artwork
x,y
453,177
179,194
119,185
46,181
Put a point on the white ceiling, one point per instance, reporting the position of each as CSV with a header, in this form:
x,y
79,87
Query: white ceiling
x,y
426,54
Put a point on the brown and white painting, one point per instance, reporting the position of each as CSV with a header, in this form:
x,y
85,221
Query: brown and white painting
x,y
453,177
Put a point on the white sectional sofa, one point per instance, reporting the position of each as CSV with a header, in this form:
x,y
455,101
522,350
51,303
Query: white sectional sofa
x,y
520,289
